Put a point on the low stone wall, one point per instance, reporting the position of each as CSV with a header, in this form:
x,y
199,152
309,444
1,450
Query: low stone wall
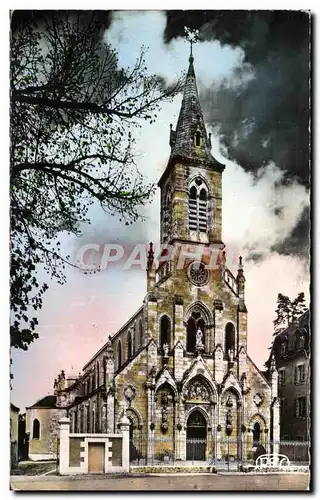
x,y
74,450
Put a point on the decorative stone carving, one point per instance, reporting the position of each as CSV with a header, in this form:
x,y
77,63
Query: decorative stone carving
x,y
231,355
258,398
165,350
197,390
228,417
129,393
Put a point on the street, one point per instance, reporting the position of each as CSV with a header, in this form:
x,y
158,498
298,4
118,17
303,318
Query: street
x,y
163,482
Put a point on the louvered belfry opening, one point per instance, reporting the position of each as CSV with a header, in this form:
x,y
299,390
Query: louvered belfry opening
x,y
198,206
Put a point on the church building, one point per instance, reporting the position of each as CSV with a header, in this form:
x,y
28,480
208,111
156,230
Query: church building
x,y
179,367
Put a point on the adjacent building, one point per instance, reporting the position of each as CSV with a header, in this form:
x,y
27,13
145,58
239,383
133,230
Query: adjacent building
x,y
14,433
291,350
179,367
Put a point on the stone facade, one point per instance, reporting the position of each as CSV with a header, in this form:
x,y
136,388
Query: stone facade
x,y
179,368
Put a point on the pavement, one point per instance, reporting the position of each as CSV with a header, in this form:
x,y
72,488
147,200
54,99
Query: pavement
x,y
164,482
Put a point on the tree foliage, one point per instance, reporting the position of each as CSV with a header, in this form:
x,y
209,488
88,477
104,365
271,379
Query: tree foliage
x,y
288,311
73,115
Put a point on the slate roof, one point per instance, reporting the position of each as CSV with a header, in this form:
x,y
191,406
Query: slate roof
x,y
302,327
182,140
14,408
46,402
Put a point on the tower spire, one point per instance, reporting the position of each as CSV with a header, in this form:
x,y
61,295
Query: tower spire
x,y
190,139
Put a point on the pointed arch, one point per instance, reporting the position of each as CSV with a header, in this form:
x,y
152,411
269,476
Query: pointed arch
x,y
129,345
97,374
205,381
198,209
229,338
104,370
197,316
140,334
167,381
36,429
165,331
198,138
201,410
235,390
119,354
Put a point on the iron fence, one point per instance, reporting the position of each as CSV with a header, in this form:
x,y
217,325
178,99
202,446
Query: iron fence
x,y
226,454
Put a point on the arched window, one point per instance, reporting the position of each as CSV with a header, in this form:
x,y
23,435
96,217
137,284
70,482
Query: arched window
x,y
140,337
129,345
76,421
167,210
198,138
198,195
98,374
133,333
104,370
230,339
164,331
93,422
256,433
119,354
81,420
88,419
195,322
36,429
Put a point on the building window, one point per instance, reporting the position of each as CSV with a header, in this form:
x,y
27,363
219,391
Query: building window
x,y
198,194
300,408
129,345
119,354
140,338
88,419
164,331
283,348
229,339
36,429
93,422
104,370
167,211
299,374
81,420
98,374
198,138
75,421
283,406
282,377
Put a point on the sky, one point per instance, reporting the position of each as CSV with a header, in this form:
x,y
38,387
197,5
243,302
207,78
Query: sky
x,y
78,317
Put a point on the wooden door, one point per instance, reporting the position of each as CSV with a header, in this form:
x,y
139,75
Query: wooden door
x,y
96,458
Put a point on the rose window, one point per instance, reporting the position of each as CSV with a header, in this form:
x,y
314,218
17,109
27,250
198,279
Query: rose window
x,y
198,273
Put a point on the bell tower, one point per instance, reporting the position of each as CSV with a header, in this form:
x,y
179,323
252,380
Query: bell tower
x,y
191,186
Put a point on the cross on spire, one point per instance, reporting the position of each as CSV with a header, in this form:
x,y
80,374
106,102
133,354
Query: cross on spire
x,y
191,36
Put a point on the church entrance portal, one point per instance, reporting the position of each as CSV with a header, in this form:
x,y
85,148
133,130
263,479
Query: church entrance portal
x,y
196,436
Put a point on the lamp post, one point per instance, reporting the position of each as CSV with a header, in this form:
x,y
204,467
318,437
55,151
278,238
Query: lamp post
x,y
228,432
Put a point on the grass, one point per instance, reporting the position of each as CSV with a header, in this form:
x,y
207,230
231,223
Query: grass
x,y
32,468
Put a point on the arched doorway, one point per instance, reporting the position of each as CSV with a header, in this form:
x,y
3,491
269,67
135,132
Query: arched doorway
x,y
196,436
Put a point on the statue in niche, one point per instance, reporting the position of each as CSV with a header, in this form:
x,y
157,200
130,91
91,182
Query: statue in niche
x,y
231,354
199,337
228,417
166,350
164,419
